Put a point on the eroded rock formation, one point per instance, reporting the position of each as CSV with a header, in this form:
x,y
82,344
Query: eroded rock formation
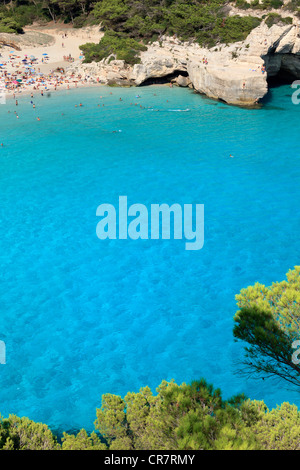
x,y
237,74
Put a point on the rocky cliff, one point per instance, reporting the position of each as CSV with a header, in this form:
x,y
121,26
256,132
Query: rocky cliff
x,y
237,74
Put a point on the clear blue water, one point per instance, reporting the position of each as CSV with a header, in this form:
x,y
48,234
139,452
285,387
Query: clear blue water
x,y
81,317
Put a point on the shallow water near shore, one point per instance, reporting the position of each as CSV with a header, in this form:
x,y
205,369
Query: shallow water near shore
x,y
81,316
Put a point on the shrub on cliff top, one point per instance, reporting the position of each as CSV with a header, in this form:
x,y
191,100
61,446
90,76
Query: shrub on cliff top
x,y
275,18
118,44
200,20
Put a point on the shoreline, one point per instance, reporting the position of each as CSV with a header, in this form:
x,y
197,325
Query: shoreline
x,y
27,92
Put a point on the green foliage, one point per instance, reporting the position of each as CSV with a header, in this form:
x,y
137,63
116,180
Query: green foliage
x,y
293,5
235,28
179,417
24,434
187,19
82,441
118,44
9,25
269,321
200,20
259,5
266,4
243,4
25,12
128,23
276,429
275,18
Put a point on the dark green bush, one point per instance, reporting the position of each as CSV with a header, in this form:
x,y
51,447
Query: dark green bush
x,y
9,25
259,5
118,44
275,18
199,20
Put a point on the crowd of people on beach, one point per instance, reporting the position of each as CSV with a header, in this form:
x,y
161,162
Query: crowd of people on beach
x,y
23,74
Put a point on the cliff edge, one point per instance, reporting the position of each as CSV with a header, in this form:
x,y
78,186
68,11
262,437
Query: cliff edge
x,y
237,74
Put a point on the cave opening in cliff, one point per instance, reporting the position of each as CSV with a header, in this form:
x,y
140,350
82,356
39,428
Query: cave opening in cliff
x,y
283,77
165,79
282,69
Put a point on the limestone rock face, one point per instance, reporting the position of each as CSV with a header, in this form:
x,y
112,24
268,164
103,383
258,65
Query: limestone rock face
x,y
109,72
280,48
153,68
182,81
236,74
230,84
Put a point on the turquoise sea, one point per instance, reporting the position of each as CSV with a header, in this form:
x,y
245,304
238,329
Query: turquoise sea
x,y
81,316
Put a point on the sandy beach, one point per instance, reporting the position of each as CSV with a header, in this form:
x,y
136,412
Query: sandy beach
x,y
38,59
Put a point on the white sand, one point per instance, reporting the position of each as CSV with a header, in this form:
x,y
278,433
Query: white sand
x,y
63,46
66,42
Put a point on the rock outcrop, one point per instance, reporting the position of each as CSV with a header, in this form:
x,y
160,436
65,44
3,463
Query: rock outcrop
x,y
236,74
30,38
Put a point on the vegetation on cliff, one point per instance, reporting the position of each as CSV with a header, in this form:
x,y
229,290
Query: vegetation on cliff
x,y
130,24
197,19
292,6
119,45
204,22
